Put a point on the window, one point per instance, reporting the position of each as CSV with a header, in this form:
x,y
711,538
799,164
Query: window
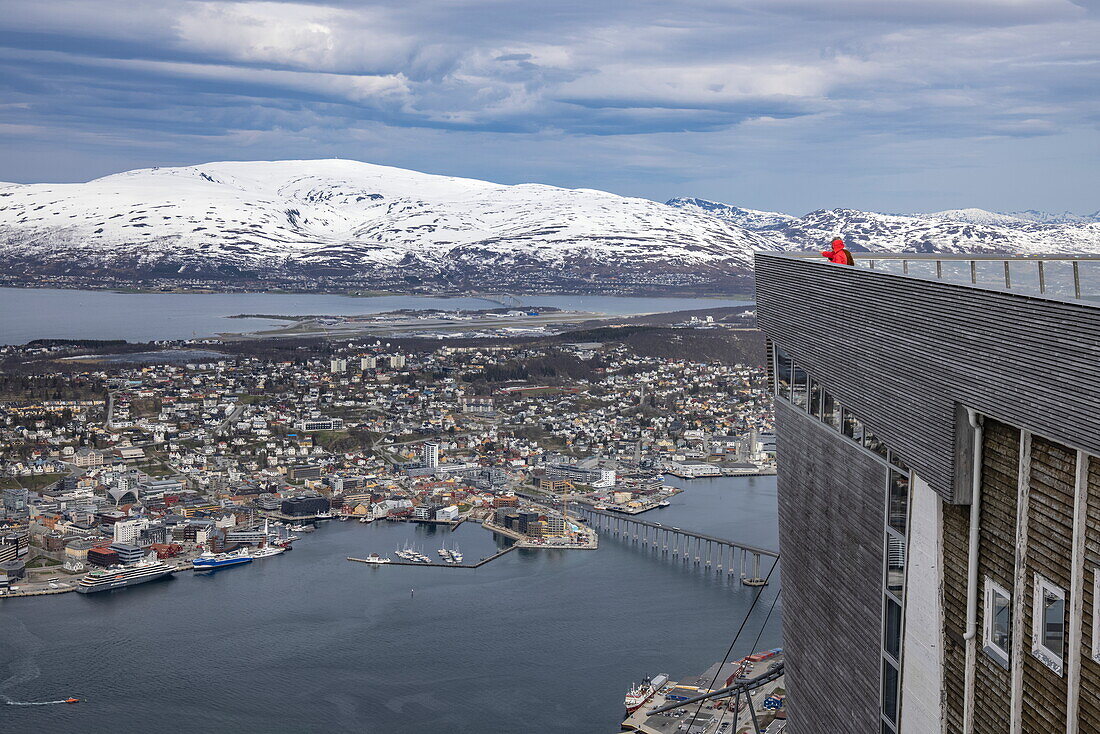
x,y
815,398
892,636
872,442
997,622
830,410
799,389
1048,624
897,461
898,505
853,428
895,563
783,369
889,691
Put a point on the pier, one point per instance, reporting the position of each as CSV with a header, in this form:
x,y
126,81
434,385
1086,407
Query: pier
x,y
698,549
435,564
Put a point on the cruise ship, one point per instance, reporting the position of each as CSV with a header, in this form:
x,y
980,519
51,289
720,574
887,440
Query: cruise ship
x,y
210,560
116,577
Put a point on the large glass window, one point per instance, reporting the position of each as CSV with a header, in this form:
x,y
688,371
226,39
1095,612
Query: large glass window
x,y
853,427
898,504
891,641
889,691
1048,623
815,398
783,369
997,624
830,410
799,389
895,563
872,442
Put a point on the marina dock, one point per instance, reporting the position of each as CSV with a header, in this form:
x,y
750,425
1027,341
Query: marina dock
x,y
435,564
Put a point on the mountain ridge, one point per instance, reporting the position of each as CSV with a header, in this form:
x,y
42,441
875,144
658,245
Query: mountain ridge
x,y
346,223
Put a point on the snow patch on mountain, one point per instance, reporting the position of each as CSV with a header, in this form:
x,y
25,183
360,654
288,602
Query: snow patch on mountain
x,y
955,231
342,214
748,218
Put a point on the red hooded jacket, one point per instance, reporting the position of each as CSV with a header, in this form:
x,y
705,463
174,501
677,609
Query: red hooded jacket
x,y
839,254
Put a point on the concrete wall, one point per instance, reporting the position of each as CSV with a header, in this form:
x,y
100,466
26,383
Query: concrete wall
x,y
903,352
831,509
922,666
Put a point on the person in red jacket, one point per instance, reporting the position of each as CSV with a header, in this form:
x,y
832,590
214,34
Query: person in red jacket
x,y
839,254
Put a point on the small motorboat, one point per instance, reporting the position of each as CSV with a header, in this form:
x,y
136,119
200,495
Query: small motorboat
x,y
72,700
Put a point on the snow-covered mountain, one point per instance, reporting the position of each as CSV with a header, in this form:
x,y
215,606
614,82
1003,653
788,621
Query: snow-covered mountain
x,y
957,231
375,226
358,220
747,218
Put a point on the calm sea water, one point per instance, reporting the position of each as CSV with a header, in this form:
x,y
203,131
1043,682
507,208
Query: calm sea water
x,y
38,313
308,642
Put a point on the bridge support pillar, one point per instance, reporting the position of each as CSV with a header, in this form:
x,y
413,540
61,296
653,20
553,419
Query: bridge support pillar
x,y
755,579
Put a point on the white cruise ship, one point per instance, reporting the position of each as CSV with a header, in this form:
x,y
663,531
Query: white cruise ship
x,y
116,577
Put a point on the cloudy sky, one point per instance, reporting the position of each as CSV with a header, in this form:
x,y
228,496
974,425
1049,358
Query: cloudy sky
x,y
793,105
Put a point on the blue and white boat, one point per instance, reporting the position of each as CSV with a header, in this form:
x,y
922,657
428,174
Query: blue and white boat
x,y
210,560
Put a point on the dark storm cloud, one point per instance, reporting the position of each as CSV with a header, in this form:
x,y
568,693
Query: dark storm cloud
x,y
684,90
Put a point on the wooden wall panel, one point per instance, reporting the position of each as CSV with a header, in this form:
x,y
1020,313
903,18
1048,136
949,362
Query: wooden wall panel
x,y
1089,705
996,560
1049,552
956,522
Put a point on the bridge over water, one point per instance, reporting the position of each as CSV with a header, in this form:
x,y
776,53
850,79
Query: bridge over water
x,y
699,549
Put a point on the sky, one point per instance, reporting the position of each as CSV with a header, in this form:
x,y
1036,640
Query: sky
x,y
786,105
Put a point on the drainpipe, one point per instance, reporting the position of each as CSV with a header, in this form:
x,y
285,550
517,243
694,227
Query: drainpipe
x,y
972,590
975,516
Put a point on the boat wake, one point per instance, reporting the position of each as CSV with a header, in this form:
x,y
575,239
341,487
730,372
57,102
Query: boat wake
x,y
23,667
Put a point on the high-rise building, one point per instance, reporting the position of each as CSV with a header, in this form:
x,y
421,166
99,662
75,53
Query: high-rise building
x,y
429,455
368,363
16,502
939,490
338,365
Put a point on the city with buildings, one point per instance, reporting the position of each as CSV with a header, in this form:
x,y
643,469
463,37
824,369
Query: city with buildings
x,y
228,456
665,367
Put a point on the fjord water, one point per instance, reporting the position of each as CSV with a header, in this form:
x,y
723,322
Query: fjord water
x,y
309,642
45,313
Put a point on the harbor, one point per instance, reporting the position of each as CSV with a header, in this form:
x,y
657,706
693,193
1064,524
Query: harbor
x,y
259,615
744,695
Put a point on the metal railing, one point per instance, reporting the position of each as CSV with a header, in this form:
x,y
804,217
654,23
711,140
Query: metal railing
x,y
1057,276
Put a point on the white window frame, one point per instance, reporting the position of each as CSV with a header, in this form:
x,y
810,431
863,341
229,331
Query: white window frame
x,y
992,649
1045,655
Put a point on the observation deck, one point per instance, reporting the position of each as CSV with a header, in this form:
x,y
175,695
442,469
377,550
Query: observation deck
x,y
1015,338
